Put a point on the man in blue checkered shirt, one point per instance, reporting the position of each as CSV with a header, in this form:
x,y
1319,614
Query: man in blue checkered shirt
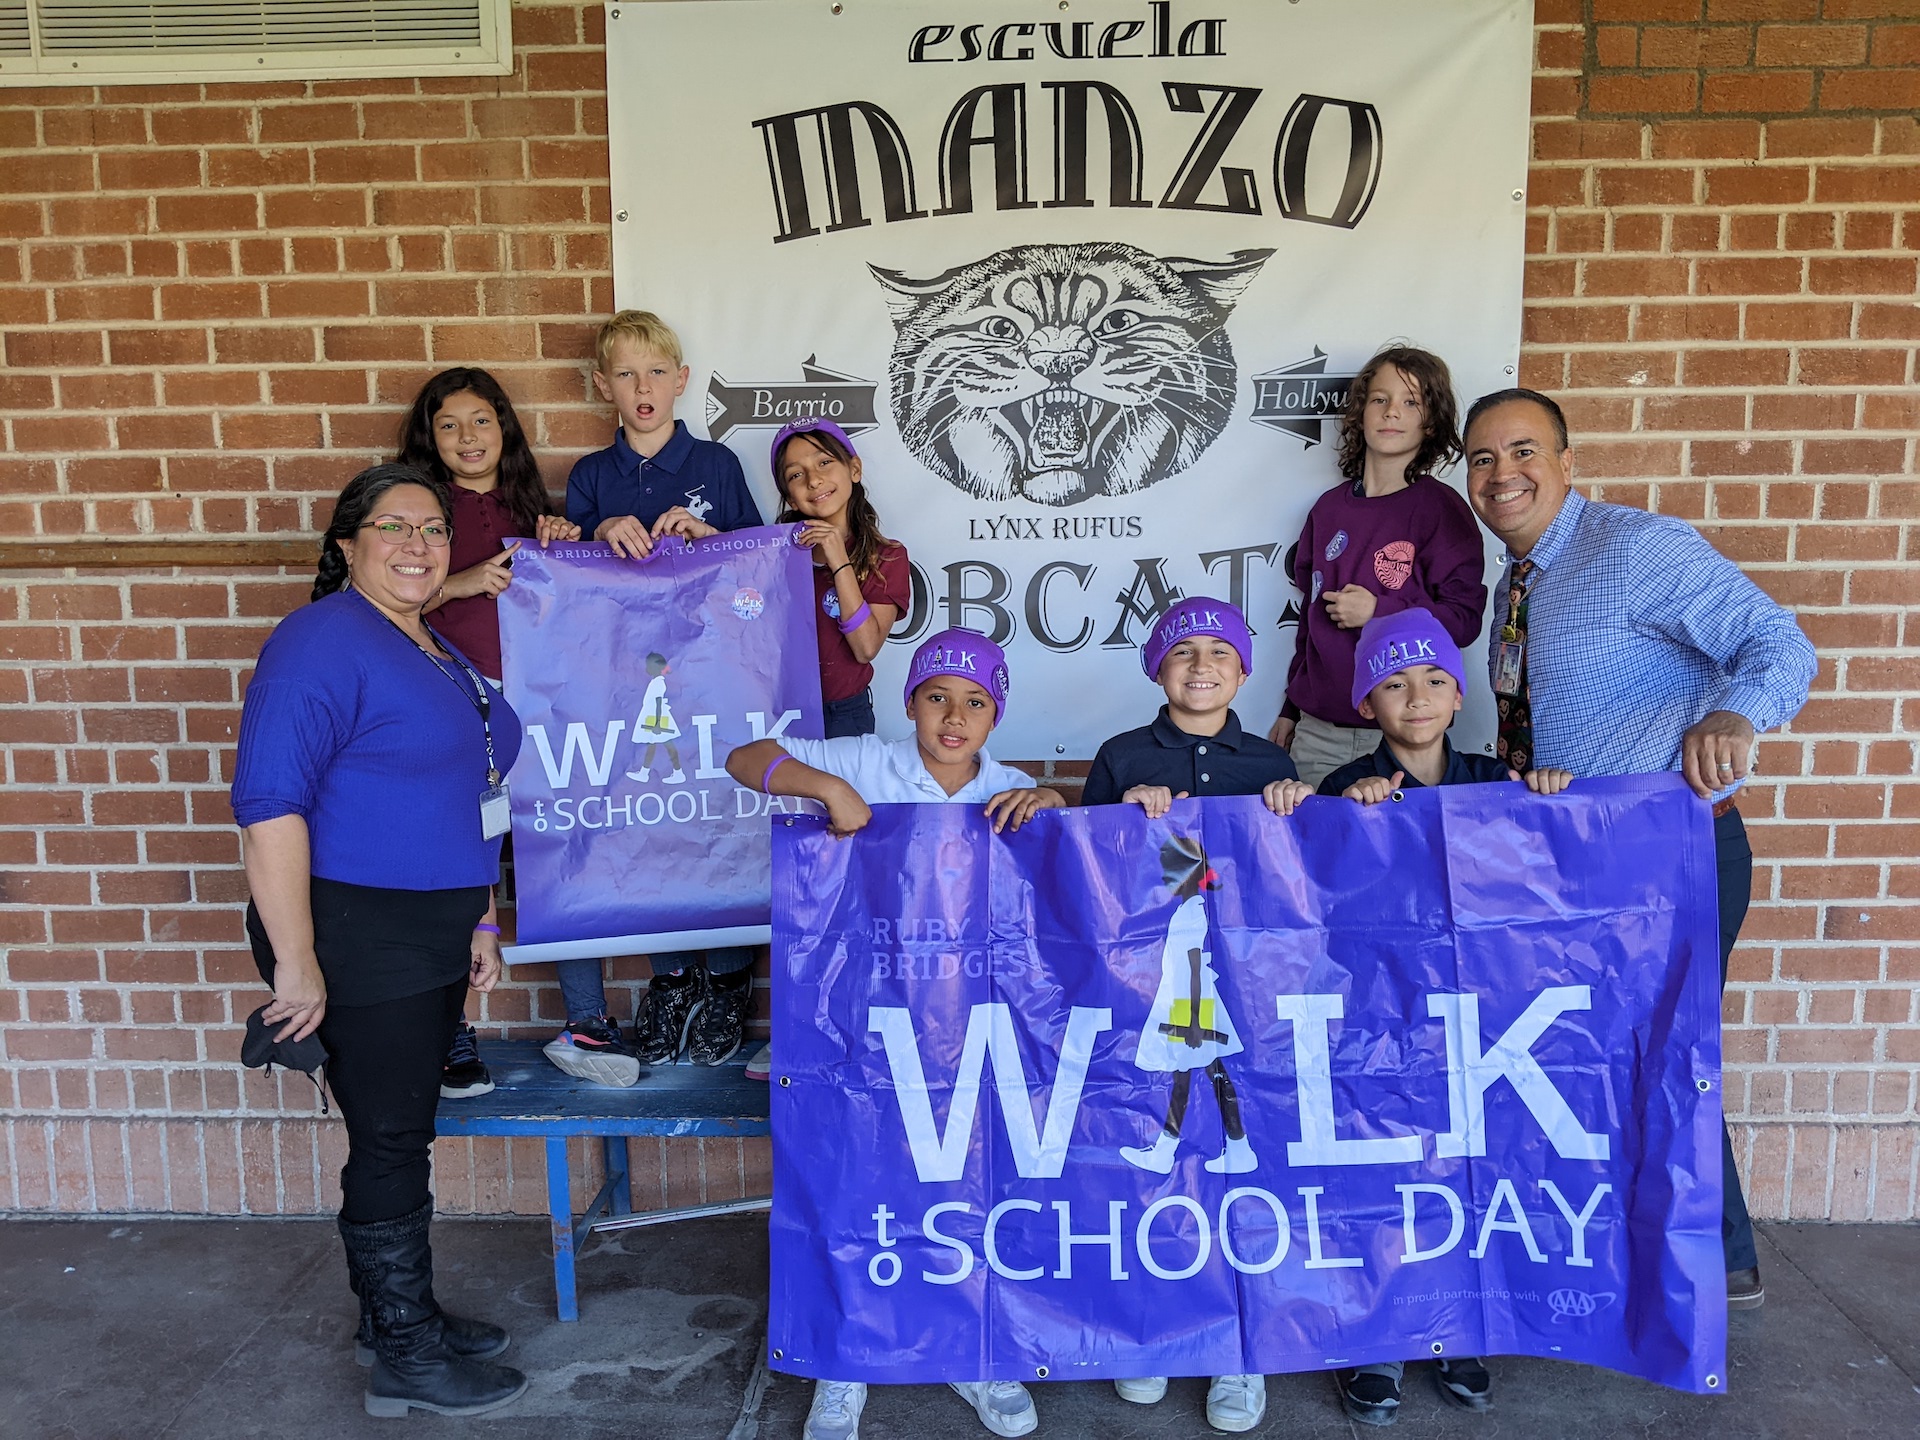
x,y
1623,644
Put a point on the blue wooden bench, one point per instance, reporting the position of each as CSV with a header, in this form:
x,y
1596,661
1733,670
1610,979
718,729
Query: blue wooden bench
x,y
530,1097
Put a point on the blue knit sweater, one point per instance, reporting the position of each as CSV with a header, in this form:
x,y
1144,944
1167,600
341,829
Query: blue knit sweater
x,y
347,723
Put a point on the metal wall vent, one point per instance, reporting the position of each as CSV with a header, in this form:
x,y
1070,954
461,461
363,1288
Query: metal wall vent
x,y
103,42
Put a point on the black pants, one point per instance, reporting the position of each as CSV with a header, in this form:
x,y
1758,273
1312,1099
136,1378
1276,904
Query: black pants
x,y
1733,864
384,1073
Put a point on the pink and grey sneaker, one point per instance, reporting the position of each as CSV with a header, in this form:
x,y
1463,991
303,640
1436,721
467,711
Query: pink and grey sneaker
x,y
594,1050
760,1066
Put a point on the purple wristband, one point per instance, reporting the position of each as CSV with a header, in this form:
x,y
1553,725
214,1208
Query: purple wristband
x,y
858,618
766,779
484,928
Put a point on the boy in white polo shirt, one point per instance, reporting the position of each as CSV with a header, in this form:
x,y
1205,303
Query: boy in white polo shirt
x,y
956,693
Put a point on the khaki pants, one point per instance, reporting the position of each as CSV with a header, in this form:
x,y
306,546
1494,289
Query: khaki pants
x,y
1320,747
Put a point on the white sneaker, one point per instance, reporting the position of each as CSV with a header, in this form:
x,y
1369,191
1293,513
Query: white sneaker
x,y
641,775
1157,1157
1004,1406
678,777
1236,1402
1149,1391
835,1412
1237,1159
761,1065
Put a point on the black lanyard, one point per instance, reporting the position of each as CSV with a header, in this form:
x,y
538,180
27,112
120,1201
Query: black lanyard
x,y
479,699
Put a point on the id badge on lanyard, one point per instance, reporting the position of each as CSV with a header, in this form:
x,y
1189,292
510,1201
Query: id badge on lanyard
x,y
496,806
1510,651
1508,658
496,811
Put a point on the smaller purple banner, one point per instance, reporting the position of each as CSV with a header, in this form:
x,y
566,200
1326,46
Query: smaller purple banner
x,y
1224,1093
635,679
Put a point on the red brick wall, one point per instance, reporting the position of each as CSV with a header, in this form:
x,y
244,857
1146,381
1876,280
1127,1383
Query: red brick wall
x,y
215,299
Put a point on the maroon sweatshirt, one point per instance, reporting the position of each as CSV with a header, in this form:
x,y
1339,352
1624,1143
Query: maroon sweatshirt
x,y
1419,546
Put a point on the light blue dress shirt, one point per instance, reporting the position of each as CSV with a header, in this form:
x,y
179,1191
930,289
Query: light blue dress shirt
x,y
1636,628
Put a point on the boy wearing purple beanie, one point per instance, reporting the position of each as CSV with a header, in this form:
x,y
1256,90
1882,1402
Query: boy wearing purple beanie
x,y
956,693
1407,678
1199,653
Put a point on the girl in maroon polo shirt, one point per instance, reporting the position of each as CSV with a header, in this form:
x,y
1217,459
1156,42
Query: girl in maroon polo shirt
x,y
462,430
861,583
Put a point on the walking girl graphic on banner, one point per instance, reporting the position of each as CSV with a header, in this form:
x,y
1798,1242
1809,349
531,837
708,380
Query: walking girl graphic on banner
x,y
656,725
1188,1028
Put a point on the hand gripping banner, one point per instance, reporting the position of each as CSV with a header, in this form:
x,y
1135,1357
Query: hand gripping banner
x,y
635,678
1224,1093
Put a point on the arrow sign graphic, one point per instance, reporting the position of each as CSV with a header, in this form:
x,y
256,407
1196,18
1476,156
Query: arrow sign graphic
x,y
820,394
1298,398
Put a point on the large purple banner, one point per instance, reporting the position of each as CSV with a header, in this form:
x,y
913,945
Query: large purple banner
x,y
635,678
1224,1093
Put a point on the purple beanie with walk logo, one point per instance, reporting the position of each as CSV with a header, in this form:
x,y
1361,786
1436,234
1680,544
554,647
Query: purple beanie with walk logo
x,y
1392,643
1199,616
966,655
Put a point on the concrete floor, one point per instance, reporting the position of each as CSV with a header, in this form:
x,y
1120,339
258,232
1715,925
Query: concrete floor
x,y
213,1329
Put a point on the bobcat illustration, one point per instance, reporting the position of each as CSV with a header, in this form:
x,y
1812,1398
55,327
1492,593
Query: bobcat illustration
x,y
1062,372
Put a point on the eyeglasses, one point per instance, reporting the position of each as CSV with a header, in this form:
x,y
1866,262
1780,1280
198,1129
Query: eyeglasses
x,y
397,532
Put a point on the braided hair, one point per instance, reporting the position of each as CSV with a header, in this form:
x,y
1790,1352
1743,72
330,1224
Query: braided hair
x,y
519,484
351,510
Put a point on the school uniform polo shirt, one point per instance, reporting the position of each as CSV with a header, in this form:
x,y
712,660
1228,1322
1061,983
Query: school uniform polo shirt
x,y
1230,763
703,476
891,772
1461,770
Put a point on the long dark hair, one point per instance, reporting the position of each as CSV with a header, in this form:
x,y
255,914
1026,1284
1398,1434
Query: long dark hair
x,y
1429,373
865,542
520,486
351,510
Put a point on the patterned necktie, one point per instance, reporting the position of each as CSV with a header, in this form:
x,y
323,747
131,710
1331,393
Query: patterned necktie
x,y
1516,710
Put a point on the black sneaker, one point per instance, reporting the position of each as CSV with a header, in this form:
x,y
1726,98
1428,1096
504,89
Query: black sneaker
x,y
1465,1382
720,1021
666,1015
1371,1394
465,1074
596,1051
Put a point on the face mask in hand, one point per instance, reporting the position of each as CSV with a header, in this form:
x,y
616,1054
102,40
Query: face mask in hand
x,y
260,1050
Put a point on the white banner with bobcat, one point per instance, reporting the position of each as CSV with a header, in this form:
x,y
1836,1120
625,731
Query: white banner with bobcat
x,y
1085,279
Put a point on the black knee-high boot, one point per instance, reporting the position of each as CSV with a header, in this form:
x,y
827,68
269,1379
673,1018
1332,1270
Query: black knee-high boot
x,y
413,1364
470,1339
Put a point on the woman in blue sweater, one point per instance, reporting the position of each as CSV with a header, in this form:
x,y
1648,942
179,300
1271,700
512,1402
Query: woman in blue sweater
x,y
369,785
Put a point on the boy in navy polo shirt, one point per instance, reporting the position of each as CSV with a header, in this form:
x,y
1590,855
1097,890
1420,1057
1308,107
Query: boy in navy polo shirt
x,y
1200,653
655,479
1407,676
